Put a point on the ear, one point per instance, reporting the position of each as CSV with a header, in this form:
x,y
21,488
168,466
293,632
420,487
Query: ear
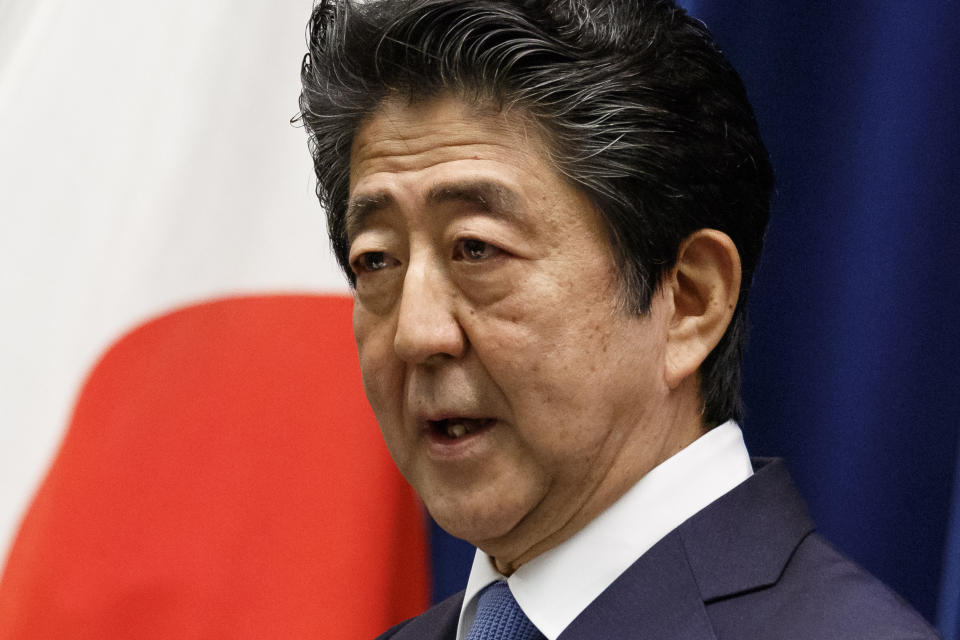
x,y
704,286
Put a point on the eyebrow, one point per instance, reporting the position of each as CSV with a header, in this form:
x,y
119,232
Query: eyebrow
x,y
488,196
360,208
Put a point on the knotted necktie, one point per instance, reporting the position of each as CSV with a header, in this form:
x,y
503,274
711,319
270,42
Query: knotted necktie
x,y
499,617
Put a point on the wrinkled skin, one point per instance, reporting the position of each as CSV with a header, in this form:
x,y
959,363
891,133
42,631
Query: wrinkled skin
x,y
486,294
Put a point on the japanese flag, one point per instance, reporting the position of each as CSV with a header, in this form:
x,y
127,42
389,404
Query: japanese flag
x,y
179,399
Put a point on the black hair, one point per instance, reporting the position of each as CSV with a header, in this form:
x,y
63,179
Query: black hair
x,y
639,108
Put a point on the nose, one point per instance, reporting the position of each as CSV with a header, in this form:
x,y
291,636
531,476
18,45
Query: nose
x,y
427,325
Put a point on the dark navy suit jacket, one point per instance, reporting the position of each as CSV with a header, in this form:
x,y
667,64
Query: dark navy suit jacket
x,y
747,567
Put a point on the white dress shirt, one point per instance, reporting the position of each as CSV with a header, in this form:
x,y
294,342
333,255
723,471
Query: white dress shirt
x,y
556,586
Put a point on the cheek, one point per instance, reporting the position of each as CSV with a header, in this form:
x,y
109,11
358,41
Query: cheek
x,y
383,386
542,369
545,348
381,370
555,374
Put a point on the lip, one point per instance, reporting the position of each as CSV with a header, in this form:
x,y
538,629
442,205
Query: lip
x,y
466,446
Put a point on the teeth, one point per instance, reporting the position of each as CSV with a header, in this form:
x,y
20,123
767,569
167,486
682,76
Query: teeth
x,y
456,430
458,427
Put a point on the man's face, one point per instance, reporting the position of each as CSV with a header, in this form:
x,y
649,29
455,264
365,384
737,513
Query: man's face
x,y
512,391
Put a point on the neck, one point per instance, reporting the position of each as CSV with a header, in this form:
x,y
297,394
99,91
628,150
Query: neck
x,y
632,460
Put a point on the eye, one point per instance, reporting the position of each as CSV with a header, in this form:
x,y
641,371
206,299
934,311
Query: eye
x,y
473,250
371,261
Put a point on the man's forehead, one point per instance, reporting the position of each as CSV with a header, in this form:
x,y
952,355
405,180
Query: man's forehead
x,y
404,126
404,136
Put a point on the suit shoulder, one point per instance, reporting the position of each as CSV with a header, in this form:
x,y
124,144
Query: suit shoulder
x,y
439,622
389,633
821,594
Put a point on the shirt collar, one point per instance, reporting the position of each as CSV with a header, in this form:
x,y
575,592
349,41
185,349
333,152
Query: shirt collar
x,y
596,555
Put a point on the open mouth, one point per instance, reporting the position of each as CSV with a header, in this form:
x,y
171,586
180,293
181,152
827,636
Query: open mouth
x,y
456,428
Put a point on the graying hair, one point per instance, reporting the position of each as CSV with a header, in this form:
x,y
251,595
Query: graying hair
x,y
638,107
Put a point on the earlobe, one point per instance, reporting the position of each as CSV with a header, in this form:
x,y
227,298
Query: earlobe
x,y
704,286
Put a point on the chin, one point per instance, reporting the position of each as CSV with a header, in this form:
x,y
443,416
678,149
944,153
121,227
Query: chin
x,y
476,523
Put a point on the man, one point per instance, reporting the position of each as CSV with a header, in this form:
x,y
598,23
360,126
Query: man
x,y
551,213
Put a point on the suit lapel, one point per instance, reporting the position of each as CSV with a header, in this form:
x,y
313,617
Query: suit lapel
x,y
657,597
743,540
438,623
739,543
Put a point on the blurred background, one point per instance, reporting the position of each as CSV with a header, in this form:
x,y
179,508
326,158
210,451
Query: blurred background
x,y
147,164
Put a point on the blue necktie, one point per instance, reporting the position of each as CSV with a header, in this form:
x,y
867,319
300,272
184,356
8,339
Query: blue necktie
x,y
499,617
